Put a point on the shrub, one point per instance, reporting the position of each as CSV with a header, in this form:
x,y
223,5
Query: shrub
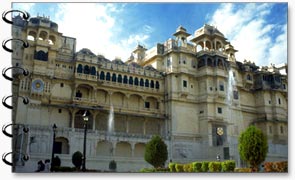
x,y
172,167
190,167
214,166
253,146
156,152
56,162
228,166
161,169
268,167
113,165
63,169
243,170
185,168
147,170
197,166
179,167
205,167
77,159
281,166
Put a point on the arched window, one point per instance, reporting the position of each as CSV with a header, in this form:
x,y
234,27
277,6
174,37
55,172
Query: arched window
x,y
131,80
93,71
52,40
119,78
108,76
79,68
32,36
125,79
141,82
249,77
136,81
152,84
86,69
157,85
147,84
41,55
101,77
114,77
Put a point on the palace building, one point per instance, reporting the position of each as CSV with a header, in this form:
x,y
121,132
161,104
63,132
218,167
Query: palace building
x,y
190,90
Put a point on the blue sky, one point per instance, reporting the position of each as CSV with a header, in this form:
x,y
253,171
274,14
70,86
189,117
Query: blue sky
x,y
257,30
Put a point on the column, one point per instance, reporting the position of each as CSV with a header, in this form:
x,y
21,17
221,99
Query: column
x,y
94,120
204,44
113,150
94,95
73,113
132,148
127,124
144,126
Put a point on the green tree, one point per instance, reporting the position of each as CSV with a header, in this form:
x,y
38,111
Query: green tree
x,y
253,147
77,159
156,152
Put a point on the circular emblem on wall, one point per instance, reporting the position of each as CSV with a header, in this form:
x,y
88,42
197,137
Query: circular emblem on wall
x,y
38,85
219,131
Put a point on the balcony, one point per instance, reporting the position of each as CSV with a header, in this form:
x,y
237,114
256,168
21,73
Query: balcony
x,y
119,109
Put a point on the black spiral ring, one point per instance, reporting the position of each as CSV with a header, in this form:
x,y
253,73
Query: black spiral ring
x,y
26,15
25,158
25,44
25,129
25,101
25,72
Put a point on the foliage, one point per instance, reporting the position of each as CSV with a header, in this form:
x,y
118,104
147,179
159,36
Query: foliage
x,y
172,167
179,168
281,166
156,152
253,146
56,162
113,165
187,168
197,166
77,159
205,167
63,169
214,166
152,170
243,170
228,166
268,167
147,170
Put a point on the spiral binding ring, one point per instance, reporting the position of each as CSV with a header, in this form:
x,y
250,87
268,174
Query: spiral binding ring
x,y
26,15
25,72
25,129
25,101
25,158
25,44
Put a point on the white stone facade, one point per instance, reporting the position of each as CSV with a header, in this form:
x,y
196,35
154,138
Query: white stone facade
x,y
178,89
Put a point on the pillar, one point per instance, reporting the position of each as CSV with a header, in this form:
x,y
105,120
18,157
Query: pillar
x,y
132,148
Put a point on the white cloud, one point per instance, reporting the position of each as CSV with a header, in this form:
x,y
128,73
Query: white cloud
x,y
248,31
97,27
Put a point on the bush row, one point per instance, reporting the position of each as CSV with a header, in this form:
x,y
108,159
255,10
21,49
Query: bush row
x,y
205,166
281,166
156,170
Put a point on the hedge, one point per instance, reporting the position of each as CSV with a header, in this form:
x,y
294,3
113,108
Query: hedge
x,y
197,166
179,168
243,170
205,167
172,167
228,166
214,166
